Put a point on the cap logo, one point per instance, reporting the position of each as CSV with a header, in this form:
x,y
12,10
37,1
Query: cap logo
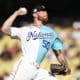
x,y
43,7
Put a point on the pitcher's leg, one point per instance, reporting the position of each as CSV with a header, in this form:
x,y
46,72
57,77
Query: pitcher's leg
x,y
13,72
26,71
44,75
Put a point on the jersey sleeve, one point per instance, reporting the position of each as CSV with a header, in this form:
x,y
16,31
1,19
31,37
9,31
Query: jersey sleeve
x,y
57,45
15,32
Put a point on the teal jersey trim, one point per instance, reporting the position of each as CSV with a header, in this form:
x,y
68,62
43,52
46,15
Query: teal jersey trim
x,y
46,43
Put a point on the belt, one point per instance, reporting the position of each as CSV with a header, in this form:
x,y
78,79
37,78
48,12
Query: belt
x,y
35,64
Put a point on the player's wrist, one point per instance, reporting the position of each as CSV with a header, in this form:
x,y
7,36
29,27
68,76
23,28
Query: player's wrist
x,y
64,63
16,13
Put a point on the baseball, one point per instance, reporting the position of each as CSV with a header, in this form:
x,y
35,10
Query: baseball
x,y
24,10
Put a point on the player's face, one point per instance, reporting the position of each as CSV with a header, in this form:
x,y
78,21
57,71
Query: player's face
x,y
43,16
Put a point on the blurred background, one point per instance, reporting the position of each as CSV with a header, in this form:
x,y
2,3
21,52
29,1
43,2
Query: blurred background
x,y
64,18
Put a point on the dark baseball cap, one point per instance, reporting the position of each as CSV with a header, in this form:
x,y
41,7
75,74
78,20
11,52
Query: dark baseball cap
x,y
39,8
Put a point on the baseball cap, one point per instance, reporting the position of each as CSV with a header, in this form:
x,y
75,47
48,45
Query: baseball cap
x,y
39,8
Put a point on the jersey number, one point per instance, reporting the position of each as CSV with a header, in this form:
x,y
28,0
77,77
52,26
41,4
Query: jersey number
x,y
46,44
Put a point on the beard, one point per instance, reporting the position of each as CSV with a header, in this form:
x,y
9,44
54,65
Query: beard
x,y
43,19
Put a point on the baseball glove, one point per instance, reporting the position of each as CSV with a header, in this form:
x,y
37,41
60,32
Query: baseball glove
x,y
57,69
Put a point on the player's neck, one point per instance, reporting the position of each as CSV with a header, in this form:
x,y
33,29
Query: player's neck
x,y
37,23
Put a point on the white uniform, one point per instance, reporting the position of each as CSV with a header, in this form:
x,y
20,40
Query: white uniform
x,y
35,43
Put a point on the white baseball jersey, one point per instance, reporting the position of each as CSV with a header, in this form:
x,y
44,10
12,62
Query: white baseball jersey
x,y
36,42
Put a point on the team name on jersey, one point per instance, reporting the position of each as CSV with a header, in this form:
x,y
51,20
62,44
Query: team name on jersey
x,y
34,35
